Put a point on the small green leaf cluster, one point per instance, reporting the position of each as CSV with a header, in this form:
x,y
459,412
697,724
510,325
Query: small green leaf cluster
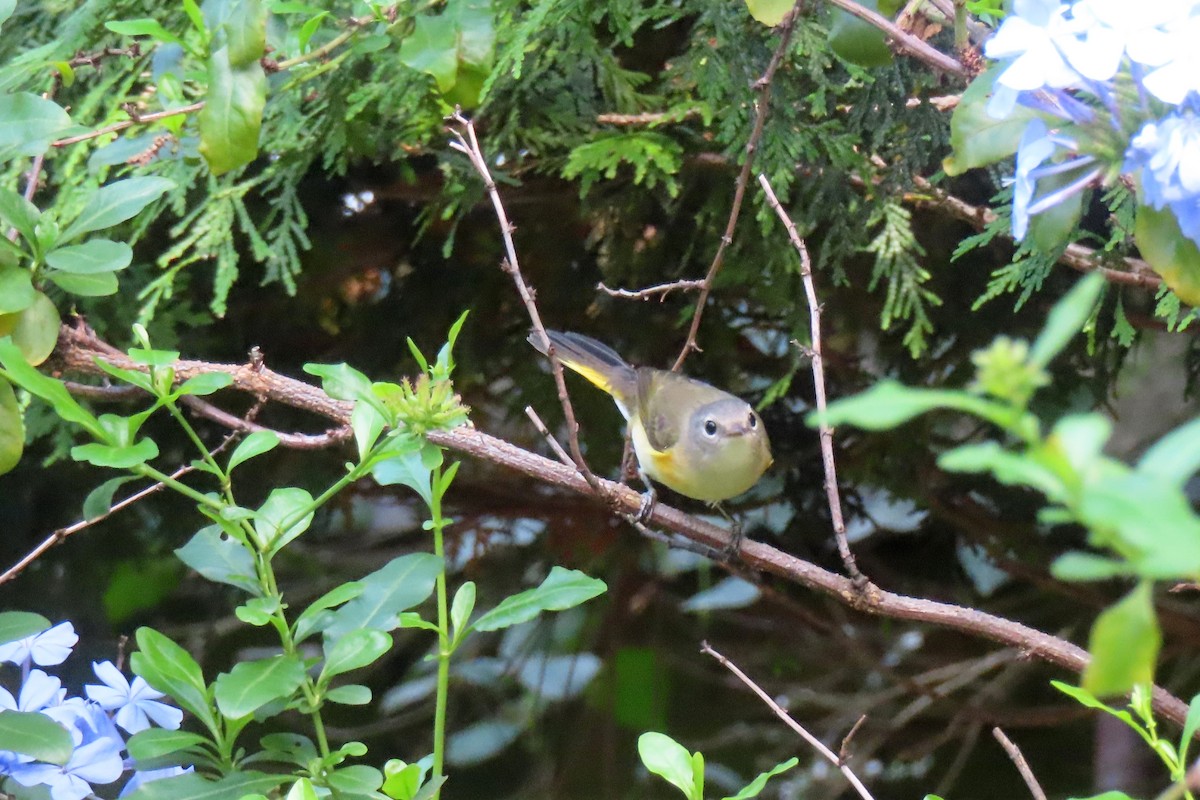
x,y
1138,516
671,761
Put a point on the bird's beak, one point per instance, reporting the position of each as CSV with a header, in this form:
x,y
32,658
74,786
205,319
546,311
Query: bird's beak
x,y
738,430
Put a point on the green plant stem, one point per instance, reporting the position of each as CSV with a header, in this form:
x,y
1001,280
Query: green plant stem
x,y
443,671
146,471
961,35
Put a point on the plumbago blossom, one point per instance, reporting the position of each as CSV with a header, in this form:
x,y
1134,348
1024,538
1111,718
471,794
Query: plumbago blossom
x,y
94,724
1115,85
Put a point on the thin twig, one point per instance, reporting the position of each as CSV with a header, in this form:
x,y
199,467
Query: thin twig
x,y
763,85
563,455
466,143
134,119
844,750
293,441
813,741
60,535
818,369
1020,763
660,291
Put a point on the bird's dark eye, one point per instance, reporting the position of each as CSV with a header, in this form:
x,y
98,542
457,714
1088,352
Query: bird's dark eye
x,y
710,427
753,421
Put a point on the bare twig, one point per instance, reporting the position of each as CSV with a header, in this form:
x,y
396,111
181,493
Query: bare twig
x,y
1014,753
294,441
647,117
763,85
818,368
466,143
79,350
813,741
134,119
59,536
844,750
563,455
660,291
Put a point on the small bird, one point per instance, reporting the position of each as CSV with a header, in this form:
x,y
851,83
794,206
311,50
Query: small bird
x,y
689,436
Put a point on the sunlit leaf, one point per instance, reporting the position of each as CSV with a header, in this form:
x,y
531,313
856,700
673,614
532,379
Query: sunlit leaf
x,y
1124,644
669,760
562,589
769,12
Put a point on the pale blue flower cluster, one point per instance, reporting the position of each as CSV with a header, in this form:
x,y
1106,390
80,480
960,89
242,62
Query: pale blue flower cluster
x,y
1072,61
95,724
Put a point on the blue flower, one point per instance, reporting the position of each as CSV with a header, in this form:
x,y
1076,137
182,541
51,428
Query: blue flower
x,y
97,761
1167,152
1179,73
136,704
146,776
1036,146
45,649
1112,29
1031,36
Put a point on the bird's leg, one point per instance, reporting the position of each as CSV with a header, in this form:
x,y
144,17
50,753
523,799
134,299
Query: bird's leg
x,y
649,499
733,547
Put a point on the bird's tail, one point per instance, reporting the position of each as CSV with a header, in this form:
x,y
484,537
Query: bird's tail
x,y
594,360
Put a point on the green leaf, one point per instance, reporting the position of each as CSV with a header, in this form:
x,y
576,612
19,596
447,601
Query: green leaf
x,y
167,667
398,586
357,779
755,787
16,289
250,685
246,33
116,456
1150,522
32,734
342,382
1051,229
352,651
15,625
97,255
308,621
232,115
769,12
99,500
101,284
1190,726
116,202
1172,255
976,139
159,742
668,759
367,423
461,608
889,403
18,212
431,48
258,611
143,26
255,444
204,384
29,122
857,40
1124,644
49,389
301,790
562,589
7,7
277,521
36,329
12,428
401,780
1066,319
1175,457
407,469
193,786
1078,566
220,559
352,694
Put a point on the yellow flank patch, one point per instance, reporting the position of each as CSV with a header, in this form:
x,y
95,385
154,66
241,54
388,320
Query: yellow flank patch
x,y
594,376
664,468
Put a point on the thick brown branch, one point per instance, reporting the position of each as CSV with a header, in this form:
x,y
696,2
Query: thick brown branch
x,y
78,350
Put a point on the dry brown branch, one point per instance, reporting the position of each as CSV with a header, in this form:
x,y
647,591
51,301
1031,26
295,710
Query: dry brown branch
x,y
660,291
466,143
813,741
78,350
763,85
1014,753
832,494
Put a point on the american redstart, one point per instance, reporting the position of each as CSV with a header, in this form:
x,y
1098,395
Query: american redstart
x,y
689,436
